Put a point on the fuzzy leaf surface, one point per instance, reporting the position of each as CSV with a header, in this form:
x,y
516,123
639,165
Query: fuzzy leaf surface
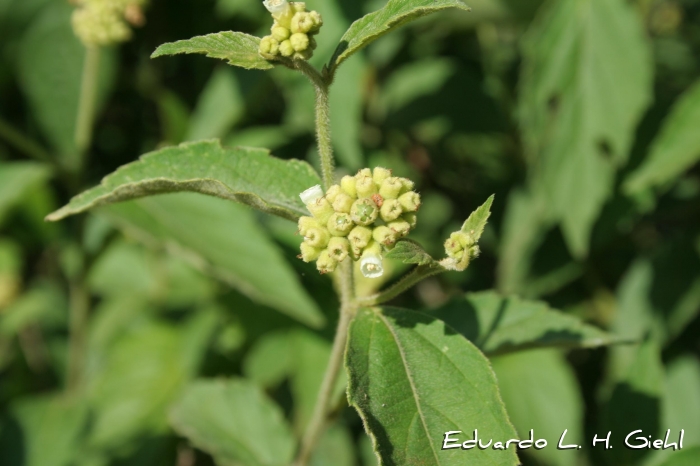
x,y
475,224
502,325
395,14
412,378
236,48
247,175
410,252
235,422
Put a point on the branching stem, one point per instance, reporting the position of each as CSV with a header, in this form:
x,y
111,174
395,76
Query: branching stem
x,y
412,278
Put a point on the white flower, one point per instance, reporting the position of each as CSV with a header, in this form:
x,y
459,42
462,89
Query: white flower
x,y
311,195
371,266
276,7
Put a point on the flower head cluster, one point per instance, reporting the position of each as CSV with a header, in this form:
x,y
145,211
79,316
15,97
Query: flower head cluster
x,y
358,218
461,248
293,30
106,22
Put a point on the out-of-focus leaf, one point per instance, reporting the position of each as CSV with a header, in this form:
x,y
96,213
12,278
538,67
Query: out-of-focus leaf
x,y
257,136
346,102
112,318
541,393
415,80
682,399
235,422
16,179
51,428
141,374
334,447
249,8
635,404
366,452
222,239
50,69
501,325
247,175
675,149
236,48
395,13
10,273
121,267
410,252
412,378
219,107
587,79
684,457
42,304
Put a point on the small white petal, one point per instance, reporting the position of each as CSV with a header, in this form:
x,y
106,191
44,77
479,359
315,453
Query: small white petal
x,y
371,266
276,6
311,195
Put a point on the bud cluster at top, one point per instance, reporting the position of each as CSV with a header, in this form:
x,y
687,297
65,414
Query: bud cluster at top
x,y
106,22
293,30
358,218
461,248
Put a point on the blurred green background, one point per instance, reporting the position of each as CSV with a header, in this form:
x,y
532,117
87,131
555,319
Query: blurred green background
x,y
582,116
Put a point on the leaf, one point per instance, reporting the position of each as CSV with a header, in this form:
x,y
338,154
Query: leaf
x,y
220,106
334,447
500,325
16,179
541,393
50,69
242,174
395,14
684,457
222,239
476,222
412,378
586,82
235,422
410,252
236,48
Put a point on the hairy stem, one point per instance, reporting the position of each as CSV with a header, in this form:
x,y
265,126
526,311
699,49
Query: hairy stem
x,y
22,143
323,402
412,278
88,102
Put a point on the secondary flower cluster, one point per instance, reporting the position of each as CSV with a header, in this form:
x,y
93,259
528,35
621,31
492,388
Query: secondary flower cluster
x,y
106,22
358,218
461,248
293,30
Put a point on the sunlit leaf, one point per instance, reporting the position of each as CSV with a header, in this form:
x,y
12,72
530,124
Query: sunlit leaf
x,y
410,252
412,378
246,175
477,220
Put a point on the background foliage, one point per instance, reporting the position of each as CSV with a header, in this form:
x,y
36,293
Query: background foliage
x,y
582,116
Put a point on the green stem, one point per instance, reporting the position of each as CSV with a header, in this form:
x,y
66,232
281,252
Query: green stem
x,y
78,319
22,143
88,103
412,278
323,402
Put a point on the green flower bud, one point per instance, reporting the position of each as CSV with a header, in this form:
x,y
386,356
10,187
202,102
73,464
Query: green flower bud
x,y
299,41
280,33
363,172
359,238
308,252
321,209
410,201
286,48
371,264
384,235
391,188
380,174
317,20
269,46
349,185
408,185
317,237
411,218
298,6
390,210
343,203
302,23
364,211
339,248
400,227
332,193
365,187
307,223
278,8
325,263
340,224
460,249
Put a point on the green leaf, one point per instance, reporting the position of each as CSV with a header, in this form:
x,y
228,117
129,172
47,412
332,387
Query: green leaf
x,y
682,398
222,239
476,222
684,458
242,174
586,82
334,447
676,149
541,393
220,106
410,252
412,378
236,48
16,179
50,71
235,422
500,325
395,14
